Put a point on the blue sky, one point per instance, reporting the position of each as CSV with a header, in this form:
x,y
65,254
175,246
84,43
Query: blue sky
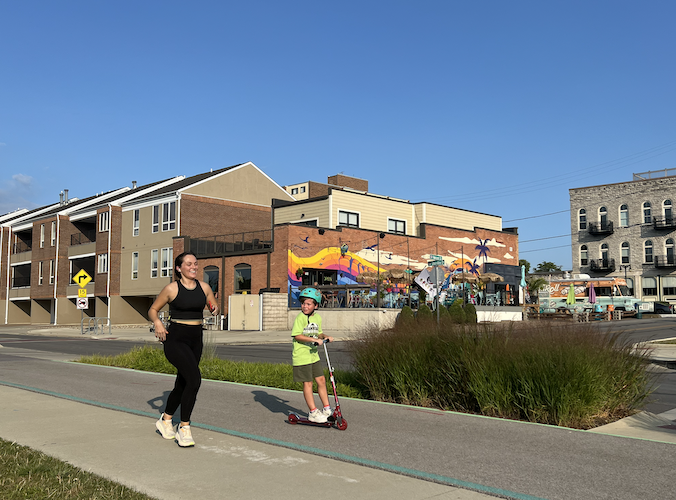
x,y
498,107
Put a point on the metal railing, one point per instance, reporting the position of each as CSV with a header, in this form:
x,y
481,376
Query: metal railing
x,y
602,265
20,247
251,241
601,228
664,261
83,237
664,223
21,281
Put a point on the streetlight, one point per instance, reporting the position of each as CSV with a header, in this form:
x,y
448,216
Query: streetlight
x,y
380,236
625,267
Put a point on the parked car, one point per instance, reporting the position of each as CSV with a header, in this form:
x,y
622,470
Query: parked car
x,y
663,308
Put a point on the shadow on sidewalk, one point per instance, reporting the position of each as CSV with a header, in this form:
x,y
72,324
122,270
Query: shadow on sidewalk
x,y
275,404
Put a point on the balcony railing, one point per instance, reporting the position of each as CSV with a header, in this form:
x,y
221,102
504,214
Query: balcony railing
x,y
237,243
663,261
20,247
601,227
21,281
666,223
83,237
602,265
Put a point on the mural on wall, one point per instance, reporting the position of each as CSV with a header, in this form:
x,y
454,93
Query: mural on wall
x,y
383,259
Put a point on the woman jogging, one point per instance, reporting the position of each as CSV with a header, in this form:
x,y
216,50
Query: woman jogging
x,y
182,340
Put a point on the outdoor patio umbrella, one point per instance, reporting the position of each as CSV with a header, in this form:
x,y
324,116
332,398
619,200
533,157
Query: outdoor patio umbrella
x,y
592,294
491,278
571,295
464,278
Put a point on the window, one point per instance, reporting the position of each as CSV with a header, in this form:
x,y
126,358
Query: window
x,y
242,278
156,218
348,219
584,257
603,216
625,253
154,263
668,214
648,252
302,189
396,226
42,235
649,286
40,273
630,286
294,190
647,217
104,221
604,254
103,263
167,257
137,222
169,216
51,272
582,219
134,265
53,233
624,216
669,247
211,278
669,285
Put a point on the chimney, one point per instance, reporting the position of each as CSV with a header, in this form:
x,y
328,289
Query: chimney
x,y
133,184
65,196
61,198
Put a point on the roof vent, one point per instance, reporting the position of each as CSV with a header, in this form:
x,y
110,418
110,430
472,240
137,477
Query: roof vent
x,y
133,184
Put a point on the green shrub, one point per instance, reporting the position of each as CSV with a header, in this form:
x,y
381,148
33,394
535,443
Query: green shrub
x,y
406,316
424,313
470,313
457,313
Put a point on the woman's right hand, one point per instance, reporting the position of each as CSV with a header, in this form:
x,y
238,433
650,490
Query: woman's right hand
x,y
160,331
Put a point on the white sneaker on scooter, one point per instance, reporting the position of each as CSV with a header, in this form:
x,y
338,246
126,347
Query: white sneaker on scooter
x,y
317,416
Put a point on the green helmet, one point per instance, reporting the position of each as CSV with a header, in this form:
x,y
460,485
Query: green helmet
x,y
311,293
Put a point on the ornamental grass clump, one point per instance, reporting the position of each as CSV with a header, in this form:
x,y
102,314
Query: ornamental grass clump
x,y
568,375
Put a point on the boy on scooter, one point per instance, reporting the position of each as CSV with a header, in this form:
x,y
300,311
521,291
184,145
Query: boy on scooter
x,y
306,332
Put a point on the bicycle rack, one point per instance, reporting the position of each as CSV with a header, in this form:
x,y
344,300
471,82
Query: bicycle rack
x,y
95,325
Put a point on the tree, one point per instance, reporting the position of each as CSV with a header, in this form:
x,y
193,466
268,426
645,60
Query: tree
x,y
546,266
524,262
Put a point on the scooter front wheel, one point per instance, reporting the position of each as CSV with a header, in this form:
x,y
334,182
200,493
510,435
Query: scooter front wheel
x,y
293,418
341,423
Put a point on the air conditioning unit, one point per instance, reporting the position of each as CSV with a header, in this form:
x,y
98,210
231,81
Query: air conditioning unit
x,y
581,276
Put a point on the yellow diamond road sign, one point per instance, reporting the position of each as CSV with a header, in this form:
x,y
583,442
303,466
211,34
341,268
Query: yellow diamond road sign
x,y
82,292
82,278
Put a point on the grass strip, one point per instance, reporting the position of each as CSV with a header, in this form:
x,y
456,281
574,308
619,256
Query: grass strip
x,y
27,473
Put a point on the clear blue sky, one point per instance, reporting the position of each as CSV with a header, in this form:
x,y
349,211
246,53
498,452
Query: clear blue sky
x,y
498,107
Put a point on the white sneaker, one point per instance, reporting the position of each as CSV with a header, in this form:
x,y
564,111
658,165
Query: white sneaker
x,y
327,412
317,416
166,428
184,436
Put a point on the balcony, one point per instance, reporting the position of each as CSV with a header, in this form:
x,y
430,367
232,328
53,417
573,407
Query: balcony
x,y
21,281
664,223
602,265
83,238
664,261
233,244
601,228
20,247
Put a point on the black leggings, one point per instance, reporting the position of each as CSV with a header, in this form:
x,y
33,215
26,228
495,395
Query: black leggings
x,y
183,349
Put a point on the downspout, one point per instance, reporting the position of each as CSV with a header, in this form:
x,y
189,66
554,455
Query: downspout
x,y
56,268
222,288
110,259
9,245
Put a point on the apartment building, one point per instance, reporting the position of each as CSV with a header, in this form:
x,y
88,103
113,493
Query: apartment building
x,y
628,230
124,240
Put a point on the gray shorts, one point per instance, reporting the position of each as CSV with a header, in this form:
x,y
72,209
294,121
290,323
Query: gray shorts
x,y
307,373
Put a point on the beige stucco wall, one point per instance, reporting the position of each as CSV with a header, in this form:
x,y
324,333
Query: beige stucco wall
x,y
461,219
19,312
374,212
245,184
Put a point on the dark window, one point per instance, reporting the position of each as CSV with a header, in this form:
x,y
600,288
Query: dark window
x,y
242,278
348,219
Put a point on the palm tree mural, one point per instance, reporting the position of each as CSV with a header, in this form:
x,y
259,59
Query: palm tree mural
x,y
483,249
473,267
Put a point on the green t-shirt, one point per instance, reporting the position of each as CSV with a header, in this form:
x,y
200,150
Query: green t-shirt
x,y
305,353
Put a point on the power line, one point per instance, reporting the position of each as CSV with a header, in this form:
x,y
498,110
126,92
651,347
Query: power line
x,y
540,249
547,238
536,216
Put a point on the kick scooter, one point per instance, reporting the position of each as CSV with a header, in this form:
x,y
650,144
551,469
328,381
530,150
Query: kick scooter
x,y
336,417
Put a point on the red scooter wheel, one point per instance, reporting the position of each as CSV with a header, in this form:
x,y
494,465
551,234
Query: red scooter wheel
x,y
341,423
293,418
